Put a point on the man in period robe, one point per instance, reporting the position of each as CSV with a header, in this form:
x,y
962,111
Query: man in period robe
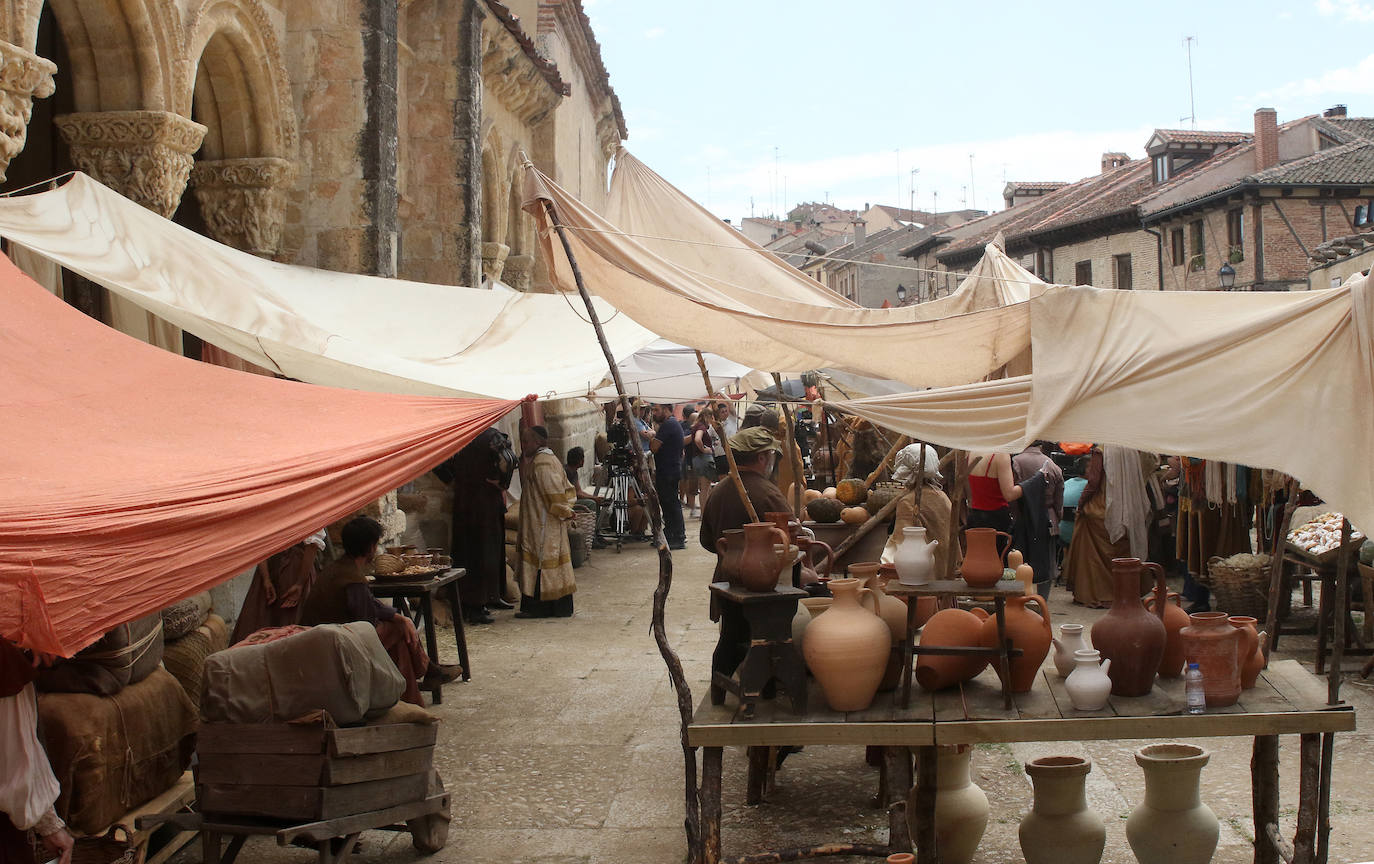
x,y
546,507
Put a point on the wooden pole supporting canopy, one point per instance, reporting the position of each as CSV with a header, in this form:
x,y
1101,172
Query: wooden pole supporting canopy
x,y
793,454
725,445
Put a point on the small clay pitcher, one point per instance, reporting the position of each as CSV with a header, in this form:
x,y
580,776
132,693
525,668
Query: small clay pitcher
x,y
950,628
982,564
915,556
1129,634
728,548
1090,683
1070,640
760,562
1175,619
1251,649
814,549
1214,645
1030,632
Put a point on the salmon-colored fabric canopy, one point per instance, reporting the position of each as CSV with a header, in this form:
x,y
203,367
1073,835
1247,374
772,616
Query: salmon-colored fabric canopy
x,y
131,478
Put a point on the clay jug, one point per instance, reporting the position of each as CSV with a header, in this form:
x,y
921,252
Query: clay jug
x,y
814,549
915,558
1172,825
961,807
1028,631
846,648
982,564
893,613
1213,644
1089,684
799,622
1251,649
950,628
1060,829
1070,640
729,547
760,561
1129,634
1175,619
785,522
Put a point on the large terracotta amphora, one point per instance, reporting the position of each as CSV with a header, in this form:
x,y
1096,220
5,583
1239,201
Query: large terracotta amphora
x,y
729,547
1251,649
1175,619
1172,825
982,564
1030,632
950,628
1130,635
760,562
846,648
1214,645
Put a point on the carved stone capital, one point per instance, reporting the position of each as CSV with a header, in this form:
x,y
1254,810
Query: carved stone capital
x,y
494,260
243,201
516,273
143,155
24,76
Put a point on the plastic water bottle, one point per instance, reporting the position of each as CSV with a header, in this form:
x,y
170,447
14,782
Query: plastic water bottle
x,y
1196,697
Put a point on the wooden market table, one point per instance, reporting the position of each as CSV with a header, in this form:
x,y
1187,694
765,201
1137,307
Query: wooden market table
x,y
424,590
1286,700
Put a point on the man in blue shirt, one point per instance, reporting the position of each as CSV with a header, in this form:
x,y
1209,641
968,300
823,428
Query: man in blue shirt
x,y
667,446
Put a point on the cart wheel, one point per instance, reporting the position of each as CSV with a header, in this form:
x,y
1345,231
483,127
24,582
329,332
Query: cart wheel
x,y
429,833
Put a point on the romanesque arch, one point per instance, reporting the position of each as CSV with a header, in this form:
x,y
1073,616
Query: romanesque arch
x,y
123,55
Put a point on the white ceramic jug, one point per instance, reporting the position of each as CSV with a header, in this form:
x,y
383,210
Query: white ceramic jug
x,y
1088,684
914,560
1070,640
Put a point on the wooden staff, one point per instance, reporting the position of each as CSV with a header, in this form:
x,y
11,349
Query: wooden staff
x,y
793,454
897,445
961,472
644,471
725,445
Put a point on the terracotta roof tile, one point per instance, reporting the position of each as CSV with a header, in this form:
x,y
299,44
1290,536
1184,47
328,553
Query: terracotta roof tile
x,y
1348,164
546,67
1199,136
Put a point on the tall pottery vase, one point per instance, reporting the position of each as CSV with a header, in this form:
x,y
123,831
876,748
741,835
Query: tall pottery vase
x,y
961,807
1172,825
1213,644
950,628
1129,635
1060,829
1251,649
1070,640
983,565
1175,619
846,648
891,611
1029,632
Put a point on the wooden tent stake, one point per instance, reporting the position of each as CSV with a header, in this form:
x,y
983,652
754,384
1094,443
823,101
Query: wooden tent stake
x,y
643,472
725,445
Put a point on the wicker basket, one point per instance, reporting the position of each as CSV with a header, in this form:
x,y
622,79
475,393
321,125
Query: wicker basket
x,y
1238,590
386,564
585,520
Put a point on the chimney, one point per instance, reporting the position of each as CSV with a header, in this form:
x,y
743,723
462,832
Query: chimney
x,y
1334,111
860,232
1113,160
1266,139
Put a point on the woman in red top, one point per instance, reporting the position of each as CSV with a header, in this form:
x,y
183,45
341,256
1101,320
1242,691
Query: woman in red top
x,y
992,487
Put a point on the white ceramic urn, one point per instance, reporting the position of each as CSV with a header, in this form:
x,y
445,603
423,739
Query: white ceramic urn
x,y
915,560
1088,684
1070,640
1172,825
961,806
1060,829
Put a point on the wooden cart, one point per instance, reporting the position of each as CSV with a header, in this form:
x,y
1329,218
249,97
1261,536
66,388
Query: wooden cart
x,y
317,784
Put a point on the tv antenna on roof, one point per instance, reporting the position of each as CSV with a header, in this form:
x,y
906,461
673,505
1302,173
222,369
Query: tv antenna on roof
x,y
1192,110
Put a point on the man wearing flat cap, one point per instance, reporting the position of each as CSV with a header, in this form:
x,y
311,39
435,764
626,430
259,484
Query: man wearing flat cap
x,y
755,451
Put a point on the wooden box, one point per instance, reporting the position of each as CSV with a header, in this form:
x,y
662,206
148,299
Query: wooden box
x,y
303,773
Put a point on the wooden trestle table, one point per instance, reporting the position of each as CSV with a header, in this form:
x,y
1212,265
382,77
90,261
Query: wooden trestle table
x,y
1287,700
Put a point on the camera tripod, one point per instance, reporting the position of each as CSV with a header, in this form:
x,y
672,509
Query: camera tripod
x,y
621,481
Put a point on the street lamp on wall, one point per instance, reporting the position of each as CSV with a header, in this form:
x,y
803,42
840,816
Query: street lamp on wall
x,y
901,292
1227,276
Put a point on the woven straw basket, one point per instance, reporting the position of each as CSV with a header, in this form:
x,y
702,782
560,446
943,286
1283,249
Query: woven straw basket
x,y
385,564
1238,590
585,520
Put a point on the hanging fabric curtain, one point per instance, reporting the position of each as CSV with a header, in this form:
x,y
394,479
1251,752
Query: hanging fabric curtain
x,y
131,478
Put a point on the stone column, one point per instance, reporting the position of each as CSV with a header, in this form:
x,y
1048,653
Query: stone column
x,y
493,261
146,157
243,201
517,272
24,76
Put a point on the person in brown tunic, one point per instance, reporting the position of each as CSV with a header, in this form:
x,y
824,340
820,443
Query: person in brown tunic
x,y
756,452
280,586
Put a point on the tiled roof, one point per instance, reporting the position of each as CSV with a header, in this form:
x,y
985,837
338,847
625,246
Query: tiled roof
x,y
1047,185
546,67
1198,136
887,236
1346,129
1351,164
601,69
985,227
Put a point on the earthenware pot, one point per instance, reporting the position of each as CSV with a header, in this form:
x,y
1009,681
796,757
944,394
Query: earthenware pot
x,y
961,807
1030,632
1172,825
1129,634
1175,619
728,549
950,628
1214,645
786,522
1251,649
915,557
1070,640
1060,829
1088,684
846,647
814,549
983,565
760,562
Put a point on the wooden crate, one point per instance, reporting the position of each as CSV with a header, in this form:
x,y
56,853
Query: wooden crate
x,y
281,771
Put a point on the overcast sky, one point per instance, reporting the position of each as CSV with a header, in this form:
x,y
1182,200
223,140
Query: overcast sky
x,y
751,106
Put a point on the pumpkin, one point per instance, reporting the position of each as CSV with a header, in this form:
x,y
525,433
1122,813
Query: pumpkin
x,y
854,515
829,492
824,509
880,498
809,495
851,491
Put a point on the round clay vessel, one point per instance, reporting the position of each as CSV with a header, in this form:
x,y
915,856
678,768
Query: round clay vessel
x,y
1172,825
900,858
760,562
816,605
983,565
892,612
816,550
1129,635
950,628
728,548
846,648
1070,640
961,807
1060,829
1251,650
1028,631
785,522
1175,619
1214,645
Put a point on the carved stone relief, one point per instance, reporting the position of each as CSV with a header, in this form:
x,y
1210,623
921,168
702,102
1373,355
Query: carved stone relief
x,y
143,155
24,76
243,201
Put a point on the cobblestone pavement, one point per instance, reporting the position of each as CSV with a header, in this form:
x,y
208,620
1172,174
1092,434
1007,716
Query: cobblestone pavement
x,y
564,748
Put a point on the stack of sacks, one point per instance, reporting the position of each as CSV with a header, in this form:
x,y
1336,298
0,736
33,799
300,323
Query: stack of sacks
x,y
126,655
191,632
